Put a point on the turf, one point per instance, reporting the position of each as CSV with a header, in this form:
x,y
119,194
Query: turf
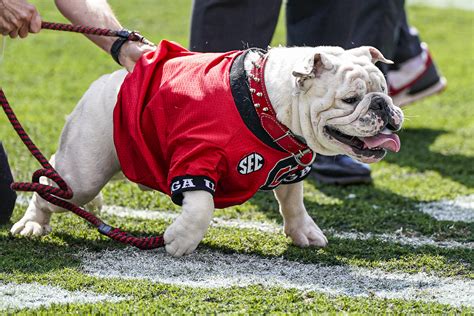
x,y
45,75
148,298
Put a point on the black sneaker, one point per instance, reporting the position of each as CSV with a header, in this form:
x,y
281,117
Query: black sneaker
x,y
7,195
340,170
415,79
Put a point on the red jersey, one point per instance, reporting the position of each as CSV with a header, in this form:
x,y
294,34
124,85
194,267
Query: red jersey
x,y
185,121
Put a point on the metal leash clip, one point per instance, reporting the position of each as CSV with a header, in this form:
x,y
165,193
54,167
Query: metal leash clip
x,y
303,153
124,36
134,36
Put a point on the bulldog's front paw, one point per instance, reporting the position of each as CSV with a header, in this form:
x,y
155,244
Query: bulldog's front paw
x,y
33,223
304,232
183,237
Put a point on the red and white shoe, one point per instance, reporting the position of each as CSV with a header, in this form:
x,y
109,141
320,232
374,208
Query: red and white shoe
x,y
415,79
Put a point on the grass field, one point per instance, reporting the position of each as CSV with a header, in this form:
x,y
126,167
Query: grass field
x,y
385,254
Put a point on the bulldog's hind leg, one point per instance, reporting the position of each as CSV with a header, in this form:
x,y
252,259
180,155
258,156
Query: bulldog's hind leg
x,y
86,158
298,224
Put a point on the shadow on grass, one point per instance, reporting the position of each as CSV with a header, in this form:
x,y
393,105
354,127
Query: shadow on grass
x,y
33,255
370,210
71,235
388,255
44,254
416,154
371,253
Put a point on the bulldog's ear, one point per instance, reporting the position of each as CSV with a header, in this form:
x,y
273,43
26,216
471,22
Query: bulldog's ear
x,y
378,56
373,53
311,67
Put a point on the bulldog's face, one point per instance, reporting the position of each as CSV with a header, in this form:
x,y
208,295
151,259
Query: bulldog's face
x,y
349,108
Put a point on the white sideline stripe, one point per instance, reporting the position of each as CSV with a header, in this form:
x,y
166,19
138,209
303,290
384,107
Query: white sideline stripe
x,y
460,209
33,295
404,240
275,228
459,4
206,269
121,211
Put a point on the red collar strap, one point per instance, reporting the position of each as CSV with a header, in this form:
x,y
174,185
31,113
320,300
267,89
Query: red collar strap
x,y
280,134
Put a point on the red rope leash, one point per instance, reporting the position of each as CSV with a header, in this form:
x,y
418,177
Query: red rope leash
x,y
129,35
56,195
77,29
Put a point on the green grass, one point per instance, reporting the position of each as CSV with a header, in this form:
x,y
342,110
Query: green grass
x,y
45,75
150,298
72,234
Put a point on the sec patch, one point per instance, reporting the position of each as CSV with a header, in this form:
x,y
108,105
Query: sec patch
x,y
250,163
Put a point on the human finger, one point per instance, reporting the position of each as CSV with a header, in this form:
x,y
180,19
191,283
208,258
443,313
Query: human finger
x,y
13,33
35,24
23,32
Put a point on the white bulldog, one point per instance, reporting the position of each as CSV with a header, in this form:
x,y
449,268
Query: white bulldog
x,y
334,100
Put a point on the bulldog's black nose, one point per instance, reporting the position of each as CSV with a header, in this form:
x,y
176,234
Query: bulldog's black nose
x,y
377,103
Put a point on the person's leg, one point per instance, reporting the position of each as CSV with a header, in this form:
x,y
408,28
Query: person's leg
x,y
7,195
413,75
224,25
408,44
321,22
345,23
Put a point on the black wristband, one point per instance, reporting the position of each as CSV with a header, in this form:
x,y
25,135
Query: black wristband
x,y
190,183
116,47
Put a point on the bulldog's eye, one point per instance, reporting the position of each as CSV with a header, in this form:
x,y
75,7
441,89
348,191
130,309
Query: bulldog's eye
x,y
350,100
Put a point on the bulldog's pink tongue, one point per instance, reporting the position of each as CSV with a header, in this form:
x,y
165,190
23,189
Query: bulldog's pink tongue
x,y
390,142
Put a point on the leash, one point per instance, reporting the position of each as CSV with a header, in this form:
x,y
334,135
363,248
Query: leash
x,y
56,195
126,34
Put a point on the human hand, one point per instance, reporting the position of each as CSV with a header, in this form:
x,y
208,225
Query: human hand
x,y
131,52
18,17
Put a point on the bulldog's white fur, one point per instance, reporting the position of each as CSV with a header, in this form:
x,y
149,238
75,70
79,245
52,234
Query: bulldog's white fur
x,y
307,87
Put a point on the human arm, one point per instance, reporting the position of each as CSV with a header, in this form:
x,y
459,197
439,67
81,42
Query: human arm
x,y
18,18
98,13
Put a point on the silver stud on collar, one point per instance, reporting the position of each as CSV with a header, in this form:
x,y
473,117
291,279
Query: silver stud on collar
x,y
257,105
265,109
259,94
252,90
256,79
255,65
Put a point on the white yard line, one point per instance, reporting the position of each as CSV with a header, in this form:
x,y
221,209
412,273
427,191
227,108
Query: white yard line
x,y
276,228
404,240
458,4
206,269
33,295
121,211
460,209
